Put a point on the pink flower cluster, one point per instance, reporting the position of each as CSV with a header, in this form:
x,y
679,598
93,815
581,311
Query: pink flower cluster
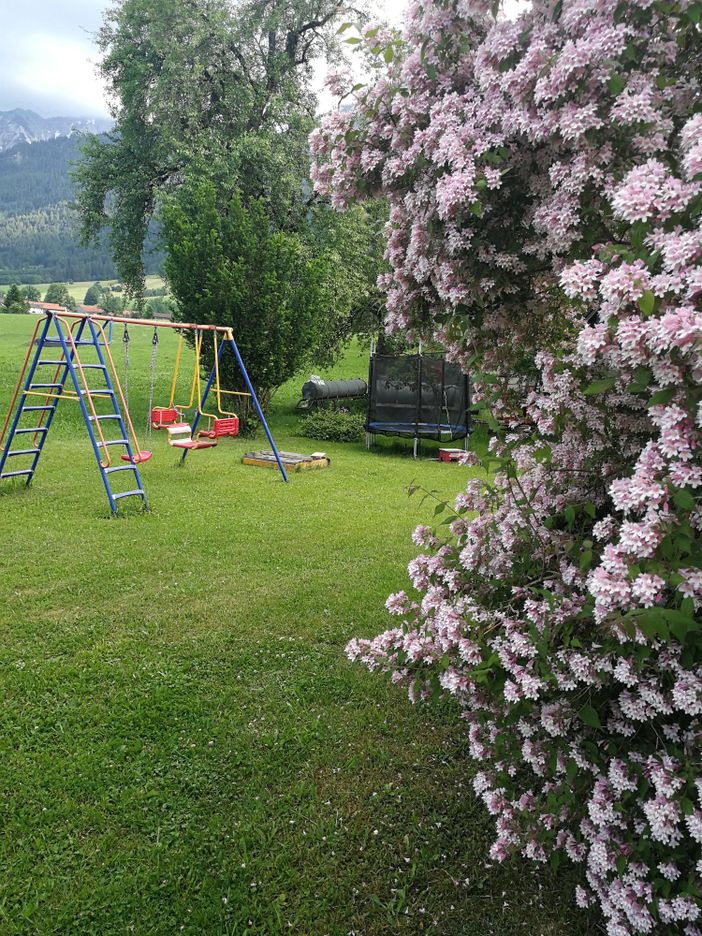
x,y
544,179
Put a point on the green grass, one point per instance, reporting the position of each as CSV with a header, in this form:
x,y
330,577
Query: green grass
x,y
79,289
184,747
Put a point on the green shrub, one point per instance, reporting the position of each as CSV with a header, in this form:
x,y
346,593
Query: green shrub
x,y
331,425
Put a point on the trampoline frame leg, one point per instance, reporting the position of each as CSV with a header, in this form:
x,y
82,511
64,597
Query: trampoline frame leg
x,y
415,446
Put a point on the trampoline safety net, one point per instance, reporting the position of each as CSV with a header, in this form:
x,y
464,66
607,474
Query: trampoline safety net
x,y
421,396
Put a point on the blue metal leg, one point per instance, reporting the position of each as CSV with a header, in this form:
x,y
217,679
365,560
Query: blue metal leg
x,y
52,413
258,407
249,387
20,402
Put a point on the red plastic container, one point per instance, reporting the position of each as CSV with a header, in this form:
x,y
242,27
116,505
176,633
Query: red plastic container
x,y
449,454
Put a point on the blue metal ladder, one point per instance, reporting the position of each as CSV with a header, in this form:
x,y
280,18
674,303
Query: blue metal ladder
x,y
67,364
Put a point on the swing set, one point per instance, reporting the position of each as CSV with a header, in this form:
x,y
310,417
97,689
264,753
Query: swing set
x,y
80,346
223,424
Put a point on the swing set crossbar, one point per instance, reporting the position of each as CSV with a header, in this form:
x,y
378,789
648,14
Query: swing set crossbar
x,y
150,323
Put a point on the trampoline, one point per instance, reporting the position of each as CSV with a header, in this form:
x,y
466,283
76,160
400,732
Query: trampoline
x,y
418,396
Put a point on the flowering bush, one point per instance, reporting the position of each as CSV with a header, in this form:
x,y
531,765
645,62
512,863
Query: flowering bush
x,y
544,177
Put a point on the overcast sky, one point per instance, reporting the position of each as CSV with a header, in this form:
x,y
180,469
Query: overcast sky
x,y
47,62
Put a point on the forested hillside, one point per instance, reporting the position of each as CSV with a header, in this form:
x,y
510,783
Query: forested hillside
x,y
38,228
34,175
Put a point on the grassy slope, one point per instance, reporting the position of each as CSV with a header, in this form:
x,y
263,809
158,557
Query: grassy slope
x,y
184,747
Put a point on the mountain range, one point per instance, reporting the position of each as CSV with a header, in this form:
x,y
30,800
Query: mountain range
x,y
24,126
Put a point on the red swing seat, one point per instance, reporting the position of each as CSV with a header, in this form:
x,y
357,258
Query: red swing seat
x,y
179,437
137,458
227,426
194,443
164,416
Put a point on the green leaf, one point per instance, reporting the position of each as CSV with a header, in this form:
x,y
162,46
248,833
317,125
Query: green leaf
x,y
652,623
647,303
440,508
586,560
680,627
616,84
643,376
353,40
687,607
600,386
638,234
479,440
343,28
589,716
662,397
684,500
476,208
487,416
389,55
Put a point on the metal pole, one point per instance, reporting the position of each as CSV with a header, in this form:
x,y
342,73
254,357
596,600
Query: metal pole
x,y
188,326
255,402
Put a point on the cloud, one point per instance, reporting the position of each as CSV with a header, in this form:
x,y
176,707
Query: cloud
x,y
48,58
61,73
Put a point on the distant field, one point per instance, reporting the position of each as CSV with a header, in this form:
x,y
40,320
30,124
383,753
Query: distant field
x,y
78,290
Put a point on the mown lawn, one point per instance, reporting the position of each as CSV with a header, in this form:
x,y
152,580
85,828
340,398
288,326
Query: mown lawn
x,y
184,747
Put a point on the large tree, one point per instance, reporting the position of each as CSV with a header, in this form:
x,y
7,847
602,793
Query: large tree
x,y
203,87
59,294
226,264
15,300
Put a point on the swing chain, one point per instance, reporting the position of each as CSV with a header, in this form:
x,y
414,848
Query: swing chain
x,y
125,344
152,375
